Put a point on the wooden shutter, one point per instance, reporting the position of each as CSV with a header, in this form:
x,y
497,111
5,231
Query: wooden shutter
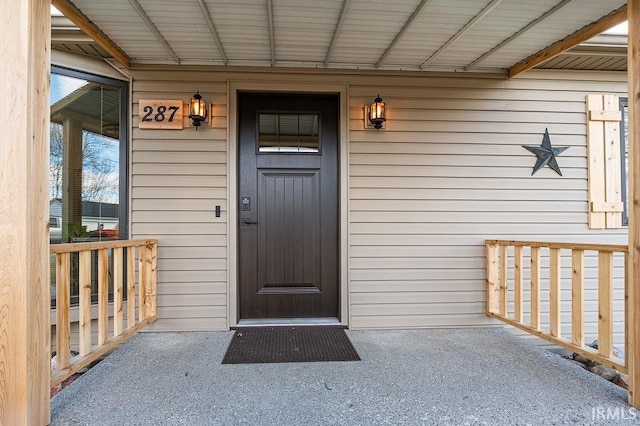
x,y
603,147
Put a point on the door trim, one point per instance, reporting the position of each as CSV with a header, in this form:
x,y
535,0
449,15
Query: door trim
x,y
233,87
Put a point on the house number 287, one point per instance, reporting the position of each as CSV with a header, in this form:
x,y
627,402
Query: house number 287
x,y
160,114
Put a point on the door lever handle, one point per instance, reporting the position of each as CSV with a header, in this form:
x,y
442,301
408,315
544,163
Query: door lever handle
x,y
246,222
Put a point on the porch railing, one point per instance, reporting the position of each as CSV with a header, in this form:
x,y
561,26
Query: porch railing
x,y
76,261
516,302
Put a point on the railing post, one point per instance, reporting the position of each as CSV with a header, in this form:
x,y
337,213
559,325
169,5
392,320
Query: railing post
x,y
84,261
493,286
555,290
131,286
118,271
633,72
517,263
535,287
103,296
63,307
577,297
153,290
605,303
504,280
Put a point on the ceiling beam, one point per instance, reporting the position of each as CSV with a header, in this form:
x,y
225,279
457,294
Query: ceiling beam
x,y
614,18
154,29
484,12
272,43
212,28
88,27
404,29
530,25
336,32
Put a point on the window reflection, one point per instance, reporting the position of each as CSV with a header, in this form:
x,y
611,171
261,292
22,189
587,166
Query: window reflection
x,y
84,160
288,133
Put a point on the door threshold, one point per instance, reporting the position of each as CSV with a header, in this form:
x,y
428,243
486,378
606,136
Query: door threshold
x,y
287,322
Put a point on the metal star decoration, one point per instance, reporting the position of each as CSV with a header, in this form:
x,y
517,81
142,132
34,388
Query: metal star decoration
x,y
546,154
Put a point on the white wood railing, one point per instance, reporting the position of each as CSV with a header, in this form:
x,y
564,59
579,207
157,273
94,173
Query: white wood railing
x,y
506,287
123,278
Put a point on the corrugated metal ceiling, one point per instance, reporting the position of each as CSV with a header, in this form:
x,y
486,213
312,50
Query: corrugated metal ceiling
x,y
440,35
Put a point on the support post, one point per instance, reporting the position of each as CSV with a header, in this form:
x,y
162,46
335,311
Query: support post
x,y
633,66
24,212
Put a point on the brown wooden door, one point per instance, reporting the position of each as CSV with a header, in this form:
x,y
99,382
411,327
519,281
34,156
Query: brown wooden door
x,y
288,206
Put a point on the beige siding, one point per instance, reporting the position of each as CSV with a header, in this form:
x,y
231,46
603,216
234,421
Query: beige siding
x,y
177,179
448,172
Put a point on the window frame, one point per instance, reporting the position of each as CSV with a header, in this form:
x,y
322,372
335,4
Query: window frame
x,y
123,136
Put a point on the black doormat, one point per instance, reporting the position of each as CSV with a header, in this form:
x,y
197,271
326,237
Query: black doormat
x,y
289,344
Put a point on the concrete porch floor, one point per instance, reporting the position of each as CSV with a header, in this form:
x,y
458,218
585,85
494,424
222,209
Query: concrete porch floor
x,y
430,377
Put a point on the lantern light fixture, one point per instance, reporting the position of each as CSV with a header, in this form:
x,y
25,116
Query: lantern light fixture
x,y
377,113
197,110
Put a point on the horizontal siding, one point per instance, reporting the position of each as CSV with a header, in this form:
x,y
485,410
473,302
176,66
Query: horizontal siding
x,y
448,172
178,177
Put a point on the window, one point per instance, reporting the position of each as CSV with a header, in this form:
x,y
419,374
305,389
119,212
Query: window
x,y
88,162
88,156
624,155
288,132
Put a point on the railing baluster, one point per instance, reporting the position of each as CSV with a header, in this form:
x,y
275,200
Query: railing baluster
x,y
85,302
143,254
605,303
492,278
103,296
504,279
577,297
555,290
627,327
517,262
535,287
131,287
117,290
63,307
152,295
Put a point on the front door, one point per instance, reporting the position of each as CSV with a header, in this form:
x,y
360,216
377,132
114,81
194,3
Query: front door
x,y
288,205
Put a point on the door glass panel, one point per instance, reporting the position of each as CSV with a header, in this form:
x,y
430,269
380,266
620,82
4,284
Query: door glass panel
x,y
288,132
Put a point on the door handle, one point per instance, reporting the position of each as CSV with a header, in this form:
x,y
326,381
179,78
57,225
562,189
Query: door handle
x,y
246,222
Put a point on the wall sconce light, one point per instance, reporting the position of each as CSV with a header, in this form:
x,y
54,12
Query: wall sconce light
x,y
197,110
376,113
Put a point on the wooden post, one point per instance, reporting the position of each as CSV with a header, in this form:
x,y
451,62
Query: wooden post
x,y
518,297
577,297
535,287
24,212
493,287
633,65
555,290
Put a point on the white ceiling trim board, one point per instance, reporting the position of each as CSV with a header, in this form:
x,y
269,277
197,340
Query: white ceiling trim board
x,y
484,12
154,29
530,25
212,28
404,29
336,32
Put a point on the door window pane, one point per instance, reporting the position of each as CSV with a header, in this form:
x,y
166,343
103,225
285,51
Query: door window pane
x,y
288,132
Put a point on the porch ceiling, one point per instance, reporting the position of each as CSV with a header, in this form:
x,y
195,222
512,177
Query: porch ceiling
x,y
438,35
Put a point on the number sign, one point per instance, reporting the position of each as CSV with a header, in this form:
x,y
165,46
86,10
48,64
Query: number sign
x,y
160,114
